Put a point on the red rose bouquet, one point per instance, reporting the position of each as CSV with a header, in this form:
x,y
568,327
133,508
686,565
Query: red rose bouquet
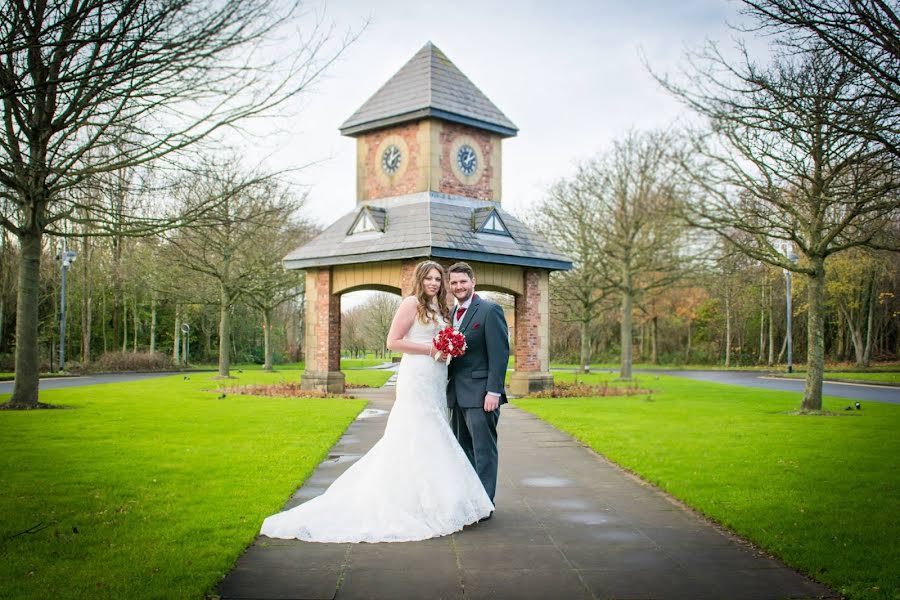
x,y
449,342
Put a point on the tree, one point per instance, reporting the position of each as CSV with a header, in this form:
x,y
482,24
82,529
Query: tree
x,y
100,86
569,216
643,245
378,312
271,285
777,173
865,33
225,246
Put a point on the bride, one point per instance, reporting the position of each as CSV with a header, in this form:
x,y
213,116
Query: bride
x,y
415,483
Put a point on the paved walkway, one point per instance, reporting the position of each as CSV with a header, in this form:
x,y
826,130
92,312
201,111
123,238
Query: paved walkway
x,y
568,524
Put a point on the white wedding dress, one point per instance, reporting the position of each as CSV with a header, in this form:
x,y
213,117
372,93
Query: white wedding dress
x,y
415,483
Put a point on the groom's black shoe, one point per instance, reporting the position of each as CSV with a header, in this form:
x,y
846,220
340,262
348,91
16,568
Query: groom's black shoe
x,y
487,518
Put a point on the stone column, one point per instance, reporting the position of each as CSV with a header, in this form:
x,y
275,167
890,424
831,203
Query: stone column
x,y
323,335
532,335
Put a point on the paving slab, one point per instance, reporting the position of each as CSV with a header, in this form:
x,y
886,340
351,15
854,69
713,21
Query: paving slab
x,y
568,524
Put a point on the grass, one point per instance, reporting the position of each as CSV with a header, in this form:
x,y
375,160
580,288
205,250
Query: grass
x,y
876,377
150,489
822,493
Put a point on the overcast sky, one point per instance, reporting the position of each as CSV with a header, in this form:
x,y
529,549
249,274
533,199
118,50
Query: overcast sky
x,y
568,73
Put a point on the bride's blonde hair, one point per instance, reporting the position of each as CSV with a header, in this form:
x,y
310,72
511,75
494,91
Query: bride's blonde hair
x,y
425,310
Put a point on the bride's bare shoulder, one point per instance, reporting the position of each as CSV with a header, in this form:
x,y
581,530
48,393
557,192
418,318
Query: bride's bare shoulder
x,y
408,304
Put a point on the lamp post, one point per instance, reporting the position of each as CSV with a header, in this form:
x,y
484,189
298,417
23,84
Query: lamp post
x,y
66,258
185,342
789,253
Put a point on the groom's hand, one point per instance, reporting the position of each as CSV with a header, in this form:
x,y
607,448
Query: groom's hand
x,y
491,402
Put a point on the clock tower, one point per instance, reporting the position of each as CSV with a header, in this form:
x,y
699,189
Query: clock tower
x,y
428,173
428,129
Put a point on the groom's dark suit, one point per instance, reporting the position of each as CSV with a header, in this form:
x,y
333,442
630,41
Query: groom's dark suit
x,y
480,370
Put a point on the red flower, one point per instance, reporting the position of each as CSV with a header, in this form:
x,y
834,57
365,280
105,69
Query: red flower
x,y
449,342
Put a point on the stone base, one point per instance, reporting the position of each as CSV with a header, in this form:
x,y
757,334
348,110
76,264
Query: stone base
x,y
323,381
522,383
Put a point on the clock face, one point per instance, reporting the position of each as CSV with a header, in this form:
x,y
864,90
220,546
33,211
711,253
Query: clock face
x,y
466,160
390,159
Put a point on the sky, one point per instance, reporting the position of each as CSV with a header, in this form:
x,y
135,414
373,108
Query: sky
x,y
568,73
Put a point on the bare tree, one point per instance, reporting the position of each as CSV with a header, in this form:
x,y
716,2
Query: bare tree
x,y
378,312
777,168
643,245
225,245
271,285
866,34
570,217
98,86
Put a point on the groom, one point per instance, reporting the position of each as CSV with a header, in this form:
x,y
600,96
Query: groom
x,y
475,389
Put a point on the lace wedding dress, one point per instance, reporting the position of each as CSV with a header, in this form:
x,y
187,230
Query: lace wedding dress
x,y
415,483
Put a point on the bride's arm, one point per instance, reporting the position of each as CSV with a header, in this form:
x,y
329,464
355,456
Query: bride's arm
x,y
403,320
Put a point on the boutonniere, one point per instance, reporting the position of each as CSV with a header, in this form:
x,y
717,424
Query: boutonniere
x,y
476,325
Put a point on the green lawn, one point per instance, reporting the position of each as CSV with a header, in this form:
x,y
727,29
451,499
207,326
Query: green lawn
x,y
362,363
822,493
150,489
874,376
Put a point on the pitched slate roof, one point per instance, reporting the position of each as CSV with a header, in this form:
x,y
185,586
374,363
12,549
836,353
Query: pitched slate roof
x,y
428,224
429,85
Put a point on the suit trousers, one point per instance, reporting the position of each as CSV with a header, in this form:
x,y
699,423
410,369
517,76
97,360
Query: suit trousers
x,y
476,430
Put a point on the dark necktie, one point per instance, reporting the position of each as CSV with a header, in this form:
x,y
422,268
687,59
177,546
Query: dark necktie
x,y
459,313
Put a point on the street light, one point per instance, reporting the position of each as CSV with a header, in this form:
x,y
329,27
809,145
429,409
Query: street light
x,y
789,253
66,258
185,342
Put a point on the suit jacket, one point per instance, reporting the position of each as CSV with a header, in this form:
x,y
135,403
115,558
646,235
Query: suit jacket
x,y
483,367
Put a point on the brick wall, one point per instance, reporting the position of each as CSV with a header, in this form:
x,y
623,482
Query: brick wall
x,y
408,180
528,323
449,183
327,355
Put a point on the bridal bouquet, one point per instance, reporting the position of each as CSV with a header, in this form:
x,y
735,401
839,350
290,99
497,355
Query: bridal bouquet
x,y
449,342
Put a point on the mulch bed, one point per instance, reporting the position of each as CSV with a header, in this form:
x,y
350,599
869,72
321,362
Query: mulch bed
x,y
564,389
286,389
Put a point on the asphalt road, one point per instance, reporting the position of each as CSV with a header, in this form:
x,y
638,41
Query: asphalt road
x,y
755,379
871,393
54,383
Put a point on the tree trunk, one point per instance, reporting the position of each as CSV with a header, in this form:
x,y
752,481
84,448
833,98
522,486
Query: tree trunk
x,y
267,339
124,324
687,351
815,336
134,316
176,337
152,322
224,333
625,334
855,335
762,321
839,351
727,328
585,358
25,386
103,322
87,302
4,268
870,317
771,360
654,346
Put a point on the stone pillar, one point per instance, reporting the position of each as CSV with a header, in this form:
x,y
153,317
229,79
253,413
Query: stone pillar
x,y
532,335
323,335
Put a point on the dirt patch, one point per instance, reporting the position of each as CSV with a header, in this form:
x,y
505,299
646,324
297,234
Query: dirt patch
x,y
290,390
564,389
